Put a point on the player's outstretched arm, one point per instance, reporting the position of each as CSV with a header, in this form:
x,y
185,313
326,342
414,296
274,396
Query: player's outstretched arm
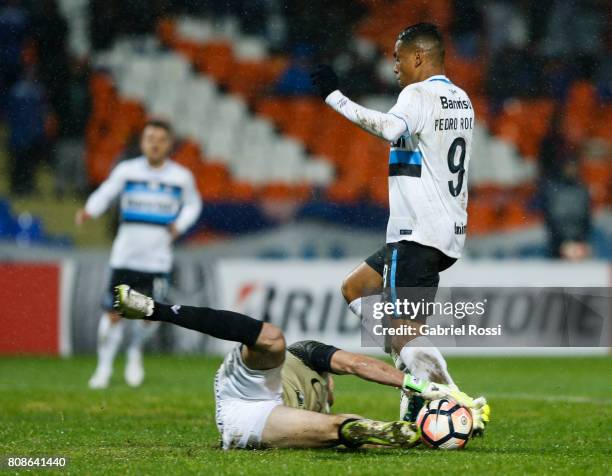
x,y
99,201
192,207
384,125
374,370
367,368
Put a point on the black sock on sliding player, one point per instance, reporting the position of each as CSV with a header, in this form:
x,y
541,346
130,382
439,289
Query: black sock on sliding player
x,y
226,325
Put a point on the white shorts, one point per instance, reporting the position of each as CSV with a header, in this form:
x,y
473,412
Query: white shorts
x,y
244,399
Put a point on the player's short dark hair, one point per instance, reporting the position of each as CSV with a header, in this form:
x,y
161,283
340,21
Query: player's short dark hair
x,y
161,123
424,31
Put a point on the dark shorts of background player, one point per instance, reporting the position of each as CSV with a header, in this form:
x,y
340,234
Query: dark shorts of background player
x,y
405,265
151,284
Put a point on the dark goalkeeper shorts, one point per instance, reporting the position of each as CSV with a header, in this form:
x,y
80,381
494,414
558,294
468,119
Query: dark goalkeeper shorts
x,y
151,284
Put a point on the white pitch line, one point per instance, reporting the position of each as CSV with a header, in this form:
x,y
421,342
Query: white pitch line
x,y
551,398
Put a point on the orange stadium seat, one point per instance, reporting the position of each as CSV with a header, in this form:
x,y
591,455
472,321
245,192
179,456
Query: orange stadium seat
x,y
601,124
508,124
250,78
302,192
275,109
384,24
213,182
190,49
216,59
304,112
343,191
188,155
332,135
515,215
100,160
482,216
580,111
101,86
166,31
355,162
481,108
132,114
538,114
274,67
378,190
465,73
379,166
525,123
241,191
597,174
247,79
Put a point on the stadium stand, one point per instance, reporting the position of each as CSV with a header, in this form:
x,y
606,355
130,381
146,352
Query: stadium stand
x,y
215,79
222,142
355,154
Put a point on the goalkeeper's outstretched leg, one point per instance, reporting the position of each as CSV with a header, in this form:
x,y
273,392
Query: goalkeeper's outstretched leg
x,y
249,384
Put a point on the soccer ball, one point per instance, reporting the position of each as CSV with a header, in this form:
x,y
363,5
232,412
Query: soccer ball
x,y
444,424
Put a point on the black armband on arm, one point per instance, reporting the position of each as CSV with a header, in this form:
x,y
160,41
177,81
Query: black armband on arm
x,y
315,355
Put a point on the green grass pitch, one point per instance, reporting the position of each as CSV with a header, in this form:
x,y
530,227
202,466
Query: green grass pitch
x,y
549,416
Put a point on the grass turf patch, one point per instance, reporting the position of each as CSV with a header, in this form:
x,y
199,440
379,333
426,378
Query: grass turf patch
x,y
549,415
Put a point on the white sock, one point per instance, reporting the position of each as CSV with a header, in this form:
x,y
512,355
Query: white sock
x,y
355,307
141,332
425,361
110,335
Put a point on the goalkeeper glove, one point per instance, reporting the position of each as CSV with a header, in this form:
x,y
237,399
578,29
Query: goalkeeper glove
x,y
481,414
479,408
436,391
324,79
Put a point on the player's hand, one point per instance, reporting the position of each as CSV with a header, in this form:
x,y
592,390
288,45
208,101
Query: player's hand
x,y
436,391
481,414
324,79
81,217
173,231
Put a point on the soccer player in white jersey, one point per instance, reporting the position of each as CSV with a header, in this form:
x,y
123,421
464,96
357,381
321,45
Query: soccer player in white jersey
x,y
158,202
268,395
430,131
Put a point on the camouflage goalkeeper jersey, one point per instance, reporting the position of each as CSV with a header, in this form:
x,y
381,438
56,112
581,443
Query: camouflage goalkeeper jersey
x,y
305,376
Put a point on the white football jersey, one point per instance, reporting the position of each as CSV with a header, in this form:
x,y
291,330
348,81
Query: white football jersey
x,y
150,200
428,166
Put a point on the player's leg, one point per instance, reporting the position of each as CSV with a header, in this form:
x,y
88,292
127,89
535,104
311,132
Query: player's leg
x,y
365,280
155,285
293,428
412,270
413,273
110,334
264,343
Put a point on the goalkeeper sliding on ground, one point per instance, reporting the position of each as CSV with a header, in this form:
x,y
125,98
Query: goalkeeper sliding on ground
x,y
269,395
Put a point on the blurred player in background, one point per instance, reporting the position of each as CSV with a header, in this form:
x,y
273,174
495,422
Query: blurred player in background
x,y
430,130
270,395
158,202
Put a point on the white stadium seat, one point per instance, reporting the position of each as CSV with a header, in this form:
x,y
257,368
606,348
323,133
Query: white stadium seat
x,y
250,48
219,123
